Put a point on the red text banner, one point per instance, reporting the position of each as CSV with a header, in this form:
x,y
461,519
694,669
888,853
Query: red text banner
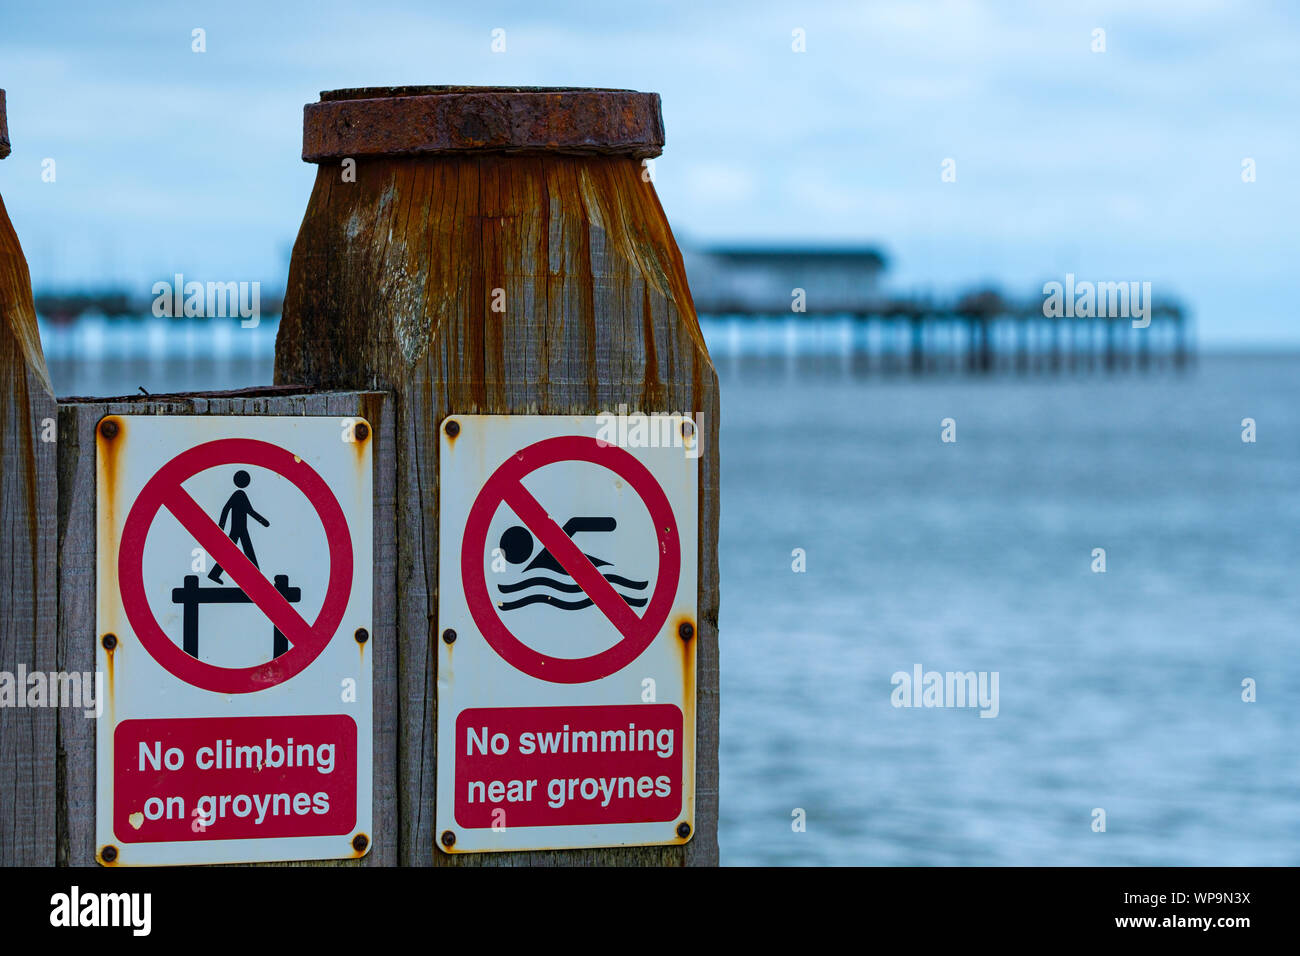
x,y
216,778
555,766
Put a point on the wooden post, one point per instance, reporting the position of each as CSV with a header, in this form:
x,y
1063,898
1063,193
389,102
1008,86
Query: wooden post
x,y
431,206
1182,350
918,343
1112,344
860,344
28,494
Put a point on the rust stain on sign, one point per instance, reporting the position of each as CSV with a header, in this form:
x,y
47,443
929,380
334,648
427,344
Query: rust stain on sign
x,y
110,440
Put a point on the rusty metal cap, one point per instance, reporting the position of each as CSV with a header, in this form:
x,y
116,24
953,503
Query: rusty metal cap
x,y
4,128
432,120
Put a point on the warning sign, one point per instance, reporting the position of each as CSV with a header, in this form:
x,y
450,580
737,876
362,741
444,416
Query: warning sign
x,y
567,582
234,607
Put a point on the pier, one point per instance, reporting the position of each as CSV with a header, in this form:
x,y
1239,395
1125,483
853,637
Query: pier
x,y
983,336
823,305
828,302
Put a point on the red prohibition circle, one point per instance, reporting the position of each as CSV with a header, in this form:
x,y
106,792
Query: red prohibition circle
x,y
637,632
164,490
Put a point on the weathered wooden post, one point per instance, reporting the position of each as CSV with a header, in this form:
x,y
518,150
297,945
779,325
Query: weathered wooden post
x,y
498,251
27,573
1112,343
916,321
1183,353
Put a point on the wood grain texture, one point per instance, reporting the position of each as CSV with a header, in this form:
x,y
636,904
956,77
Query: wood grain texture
x,y
390,286
27,580
76,620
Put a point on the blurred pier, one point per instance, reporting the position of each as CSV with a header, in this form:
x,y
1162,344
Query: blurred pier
x,y
978,336
828,302
822,308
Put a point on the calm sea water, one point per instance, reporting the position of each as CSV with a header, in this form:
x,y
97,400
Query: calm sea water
x,y
1120,691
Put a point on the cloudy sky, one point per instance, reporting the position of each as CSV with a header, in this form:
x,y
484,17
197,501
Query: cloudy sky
x,y
1119,165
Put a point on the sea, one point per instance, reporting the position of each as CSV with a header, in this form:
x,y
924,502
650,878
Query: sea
x,y
1106,551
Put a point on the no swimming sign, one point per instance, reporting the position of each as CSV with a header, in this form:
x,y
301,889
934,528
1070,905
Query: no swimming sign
x,y
566,667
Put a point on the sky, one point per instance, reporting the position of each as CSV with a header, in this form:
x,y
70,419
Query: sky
x,y
1119,165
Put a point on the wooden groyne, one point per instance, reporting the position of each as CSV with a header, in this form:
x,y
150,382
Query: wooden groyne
x,y
388,288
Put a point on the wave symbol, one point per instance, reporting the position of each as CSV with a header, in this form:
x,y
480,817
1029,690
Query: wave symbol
x,y
538,581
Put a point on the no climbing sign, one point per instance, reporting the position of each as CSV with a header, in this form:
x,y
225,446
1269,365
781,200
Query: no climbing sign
x,y
234,608
566,618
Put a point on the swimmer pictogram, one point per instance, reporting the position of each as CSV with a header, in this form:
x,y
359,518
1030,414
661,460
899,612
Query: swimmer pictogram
x,y
517,545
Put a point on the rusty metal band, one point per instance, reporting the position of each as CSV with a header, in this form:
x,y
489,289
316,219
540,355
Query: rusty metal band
x,y
413,121
4,128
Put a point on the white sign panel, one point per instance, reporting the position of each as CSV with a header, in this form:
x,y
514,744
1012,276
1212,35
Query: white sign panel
x,y
566,616
233,618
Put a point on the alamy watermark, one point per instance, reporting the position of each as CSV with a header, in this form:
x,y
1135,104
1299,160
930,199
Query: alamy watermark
x,y
1102,300
180,299
655,430
922,688
53,689
76,908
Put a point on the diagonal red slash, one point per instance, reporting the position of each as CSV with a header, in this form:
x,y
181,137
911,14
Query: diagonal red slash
x,y
259,590
505,487
571,558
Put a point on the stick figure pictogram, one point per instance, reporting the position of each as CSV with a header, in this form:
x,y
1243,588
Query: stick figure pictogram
x,y
239,509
